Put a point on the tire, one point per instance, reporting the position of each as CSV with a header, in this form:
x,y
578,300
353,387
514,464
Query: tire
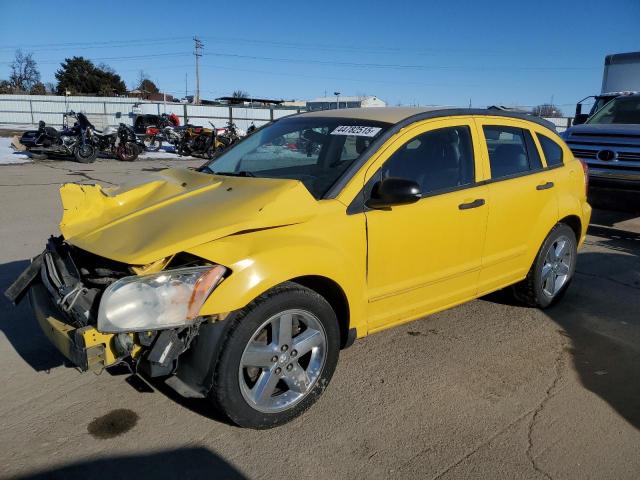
x,y
213,152
127,152
86,153
236,382
550,275
152,143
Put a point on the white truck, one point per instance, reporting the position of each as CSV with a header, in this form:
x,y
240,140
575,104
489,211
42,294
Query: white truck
x,y
621,77
607,139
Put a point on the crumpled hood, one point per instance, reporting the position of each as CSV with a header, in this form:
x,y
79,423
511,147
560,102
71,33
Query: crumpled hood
x,y
175,210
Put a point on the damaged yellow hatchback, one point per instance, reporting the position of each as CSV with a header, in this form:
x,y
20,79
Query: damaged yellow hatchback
x,y
240,282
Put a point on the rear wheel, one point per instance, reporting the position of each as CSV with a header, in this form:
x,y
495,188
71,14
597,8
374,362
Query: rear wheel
x,y
152,143
278,356
86,153
127,152
552,271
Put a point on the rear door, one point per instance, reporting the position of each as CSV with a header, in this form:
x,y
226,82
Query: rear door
x,y
522,201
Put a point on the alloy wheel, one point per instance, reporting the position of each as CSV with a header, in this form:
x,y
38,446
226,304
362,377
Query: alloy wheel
x,y
282,361
556,269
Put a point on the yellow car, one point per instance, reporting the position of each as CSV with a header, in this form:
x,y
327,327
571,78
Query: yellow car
x,y
241,282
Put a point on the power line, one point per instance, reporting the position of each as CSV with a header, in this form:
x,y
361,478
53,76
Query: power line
x,y
388,65
122,58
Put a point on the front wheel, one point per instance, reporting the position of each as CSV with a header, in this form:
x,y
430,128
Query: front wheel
x,y
86,153
278,356
552,270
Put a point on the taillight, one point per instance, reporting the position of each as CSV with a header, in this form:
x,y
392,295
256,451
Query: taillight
x,y
152,131
585,168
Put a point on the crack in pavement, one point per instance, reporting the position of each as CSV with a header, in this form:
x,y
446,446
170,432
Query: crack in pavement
x,y
549,394
474,449
79,173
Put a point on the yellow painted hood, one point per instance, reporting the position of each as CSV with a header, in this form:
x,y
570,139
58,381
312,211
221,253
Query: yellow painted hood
x,y
174,210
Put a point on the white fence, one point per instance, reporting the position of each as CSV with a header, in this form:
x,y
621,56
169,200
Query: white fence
x,y
27,110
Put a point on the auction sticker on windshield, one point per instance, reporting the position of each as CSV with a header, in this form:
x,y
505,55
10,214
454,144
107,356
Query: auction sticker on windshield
x,y
359,131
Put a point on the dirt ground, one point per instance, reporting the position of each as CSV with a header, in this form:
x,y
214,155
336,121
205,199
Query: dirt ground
x,y
485,390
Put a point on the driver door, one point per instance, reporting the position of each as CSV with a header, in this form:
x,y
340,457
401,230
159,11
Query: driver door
x,y
426,256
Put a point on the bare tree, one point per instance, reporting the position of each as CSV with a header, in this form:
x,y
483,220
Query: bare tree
x,y
24,72
546,110
240,94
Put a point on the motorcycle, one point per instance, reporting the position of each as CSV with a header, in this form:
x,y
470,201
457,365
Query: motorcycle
x,y
231,134
200,141
75,141
121,142
167,129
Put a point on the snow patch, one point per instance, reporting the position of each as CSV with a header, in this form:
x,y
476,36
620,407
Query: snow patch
x,y
9,156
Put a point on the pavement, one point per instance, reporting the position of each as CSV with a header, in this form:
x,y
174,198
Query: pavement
x,y
485,390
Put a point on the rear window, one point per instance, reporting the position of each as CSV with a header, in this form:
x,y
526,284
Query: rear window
x,y
552,151
512,151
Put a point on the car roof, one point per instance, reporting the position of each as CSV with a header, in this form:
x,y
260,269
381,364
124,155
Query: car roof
x,y
378,114
405,115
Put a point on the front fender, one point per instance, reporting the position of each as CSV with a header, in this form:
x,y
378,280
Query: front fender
x,y
261,260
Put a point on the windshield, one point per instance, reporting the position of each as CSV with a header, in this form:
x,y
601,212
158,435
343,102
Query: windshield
x,y
314,150
619,110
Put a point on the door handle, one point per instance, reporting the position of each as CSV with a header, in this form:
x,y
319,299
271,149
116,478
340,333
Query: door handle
x,y
545,186
478,202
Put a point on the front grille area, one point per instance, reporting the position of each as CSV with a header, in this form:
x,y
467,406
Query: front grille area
x,y
622,156
582,153
629,156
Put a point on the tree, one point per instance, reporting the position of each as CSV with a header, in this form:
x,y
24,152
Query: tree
x,y
79,75
240,94
38,89
24,72
546,110
5,87
145,84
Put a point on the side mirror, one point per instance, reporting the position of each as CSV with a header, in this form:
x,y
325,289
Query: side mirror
x,y
580,118
394,191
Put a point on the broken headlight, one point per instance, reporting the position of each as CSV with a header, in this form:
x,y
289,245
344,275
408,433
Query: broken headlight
x,y
170,298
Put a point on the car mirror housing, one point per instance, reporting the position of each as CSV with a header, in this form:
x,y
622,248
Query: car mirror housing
x,y
394,191
580,118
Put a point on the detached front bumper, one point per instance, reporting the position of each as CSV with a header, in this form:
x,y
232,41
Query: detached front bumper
x,y
85,347
65,310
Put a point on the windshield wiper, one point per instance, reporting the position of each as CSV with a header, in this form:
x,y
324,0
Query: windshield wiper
x,y
241,173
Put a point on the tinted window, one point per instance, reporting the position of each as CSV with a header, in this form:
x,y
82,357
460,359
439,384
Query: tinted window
x,y
511,151
552,151
438,160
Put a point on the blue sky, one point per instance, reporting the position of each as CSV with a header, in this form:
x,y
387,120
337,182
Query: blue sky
x,y
409,52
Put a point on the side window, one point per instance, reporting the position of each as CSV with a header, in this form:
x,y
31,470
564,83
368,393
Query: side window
x,y
511,151
552,151
438,160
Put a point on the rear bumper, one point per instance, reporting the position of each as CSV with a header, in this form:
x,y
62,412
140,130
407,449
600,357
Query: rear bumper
x,y
85,347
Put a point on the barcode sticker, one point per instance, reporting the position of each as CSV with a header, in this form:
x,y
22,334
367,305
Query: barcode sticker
x,y
358,131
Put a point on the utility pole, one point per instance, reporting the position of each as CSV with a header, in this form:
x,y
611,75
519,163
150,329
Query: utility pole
x,y
197,52
186,79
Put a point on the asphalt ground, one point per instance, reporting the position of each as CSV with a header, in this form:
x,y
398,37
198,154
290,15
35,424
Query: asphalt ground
x,y
485,390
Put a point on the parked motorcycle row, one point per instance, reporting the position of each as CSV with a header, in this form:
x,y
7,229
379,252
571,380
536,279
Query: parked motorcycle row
x,y
82,140
187,140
